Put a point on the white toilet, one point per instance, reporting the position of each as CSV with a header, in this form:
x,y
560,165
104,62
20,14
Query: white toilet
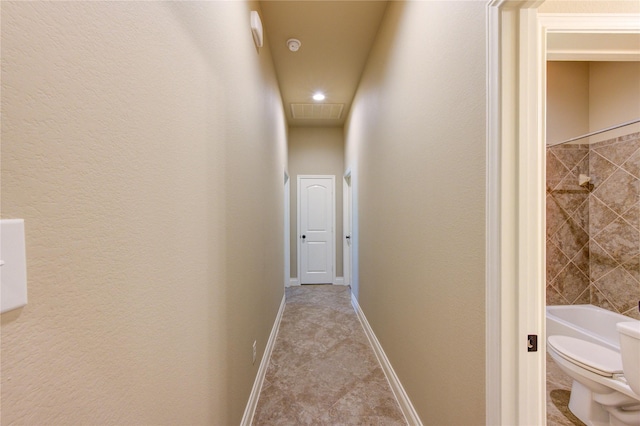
x,y
606,384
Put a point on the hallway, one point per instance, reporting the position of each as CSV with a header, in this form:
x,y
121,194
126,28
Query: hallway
x,y
153,149
323,370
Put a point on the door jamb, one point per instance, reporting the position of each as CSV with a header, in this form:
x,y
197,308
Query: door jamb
x,y
287,229
515,385
347,223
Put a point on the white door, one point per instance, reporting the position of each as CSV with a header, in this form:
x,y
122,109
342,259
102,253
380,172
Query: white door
x,y
316,240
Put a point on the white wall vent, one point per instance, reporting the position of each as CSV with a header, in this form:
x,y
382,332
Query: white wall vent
x,y
317,111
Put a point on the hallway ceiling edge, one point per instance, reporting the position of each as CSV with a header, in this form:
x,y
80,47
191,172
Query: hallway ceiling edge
x,y
336,38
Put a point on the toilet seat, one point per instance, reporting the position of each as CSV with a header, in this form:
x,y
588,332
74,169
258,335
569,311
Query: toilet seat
x,y
595,358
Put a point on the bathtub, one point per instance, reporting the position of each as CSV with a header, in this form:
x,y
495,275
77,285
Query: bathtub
x,y
586,322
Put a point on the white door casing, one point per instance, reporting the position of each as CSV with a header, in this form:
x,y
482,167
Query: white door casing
x,y
346,227
287,243
515,378
316,229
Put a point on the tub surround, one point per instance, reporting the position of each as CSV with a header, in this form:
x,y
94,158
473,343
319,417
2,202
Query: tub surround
x,y
567,226
593,231
614,224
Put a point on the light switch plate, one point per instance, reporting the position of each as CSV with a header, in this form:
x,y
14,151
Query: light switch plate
x,y
13,261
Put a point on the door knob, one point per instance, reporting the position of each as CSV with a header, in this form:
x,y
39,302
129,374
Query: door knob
x,y
303,237
348,237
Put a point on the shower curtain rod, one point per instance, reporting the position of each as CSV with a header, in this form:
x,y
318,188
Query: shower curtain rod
x,y
597,132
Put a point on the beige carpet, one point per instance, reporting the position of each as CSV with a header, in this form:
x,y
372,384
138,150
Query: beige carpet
x,y
323,370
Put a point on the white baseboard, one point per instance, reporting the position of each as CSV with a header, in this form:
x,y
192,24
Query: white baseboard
x,y
250,409
296,281
409,412
293,282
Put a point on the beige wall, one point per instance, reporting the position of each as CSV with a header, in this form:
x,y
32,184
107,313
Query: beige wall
x,y
567,100
583,97
614,97
416,141
316,151
144,145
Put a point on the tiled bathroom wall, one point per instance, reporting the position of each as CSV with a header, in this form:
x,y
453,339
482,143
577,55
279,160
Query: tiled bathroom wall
x,y
567,226
593,231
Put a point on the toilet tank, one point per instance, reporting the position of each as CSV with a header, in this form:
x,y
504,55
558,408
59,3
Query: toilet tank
x,y
630,351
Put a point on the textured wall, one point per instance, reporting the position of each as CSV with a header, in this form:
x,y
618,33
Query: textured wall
x,y
144,144
614,90
316,151
583,97
416,141
567,100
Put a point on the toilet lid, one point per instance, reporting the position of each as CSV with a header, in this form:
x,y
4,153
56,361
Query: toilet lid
x,y
595,358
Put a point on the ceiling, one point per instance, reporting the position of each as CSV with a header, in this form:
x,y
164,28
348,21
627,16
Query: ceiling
x,y
336,39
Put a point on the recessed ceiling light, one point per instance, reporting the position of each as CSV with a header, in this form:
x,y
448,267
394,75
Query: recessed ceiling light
x,y
318,97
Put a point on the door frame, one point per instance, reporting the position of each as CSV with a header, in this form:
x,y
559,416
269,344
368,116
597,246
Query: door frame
x,y
515,378
287,229
333,224
347,225
516,112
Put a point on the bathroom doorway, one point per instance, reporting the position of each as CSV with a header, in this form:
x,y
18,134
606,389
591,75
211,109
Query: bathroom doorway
x,y
592,224
517,47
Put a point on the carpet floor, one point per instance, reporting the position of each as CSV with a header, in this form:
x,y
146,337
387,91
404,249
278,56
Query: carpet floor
x,y
323,370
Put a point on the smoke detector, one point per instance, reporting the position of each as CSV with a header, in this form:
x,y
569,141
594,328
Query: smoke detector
x,y
294,44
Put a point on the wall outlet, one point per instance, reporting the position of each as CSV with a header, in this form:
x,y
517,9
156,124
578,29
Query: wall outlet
x,y
254,352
